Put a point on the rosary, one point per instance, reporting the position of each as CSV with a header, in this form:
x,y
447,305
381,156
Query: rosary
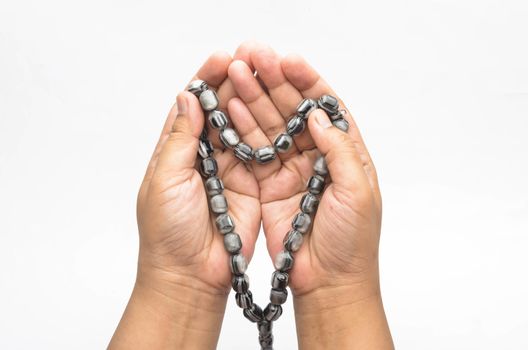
x,y
218,203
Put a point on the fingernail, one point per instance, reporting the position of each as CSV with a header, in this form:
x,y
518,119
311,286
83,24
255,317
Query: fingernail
x,y
181,102
323,120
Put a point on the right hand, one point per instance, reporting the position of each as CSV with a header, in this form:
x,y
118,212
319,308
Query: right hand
x,y
179,241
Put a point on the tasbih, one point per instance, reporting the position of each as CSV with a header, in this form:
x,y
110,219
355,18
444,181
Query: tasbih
x,y
218,204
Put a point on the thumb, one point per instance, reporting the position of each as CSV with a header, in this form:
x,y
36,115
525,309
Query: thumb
x,y
178,155
342,159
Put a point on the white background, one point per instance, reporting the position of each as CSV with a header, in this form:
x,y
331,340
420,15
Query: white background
x,y
438,88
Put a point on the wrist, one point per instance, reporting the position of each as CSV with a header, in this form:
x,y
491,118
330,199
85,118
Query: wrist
x,y
342,315
181,291
168,310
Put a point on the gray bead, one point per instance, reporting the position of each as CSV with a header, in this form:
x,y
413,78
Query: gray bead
x,y
240,284
238,264
320,166
244,300
208,167
272,312
229,137
301,222
338,115
284,261
253,313
214,186
279,280
278,296
243,152
341,124
293,241
283,143
295,125
232,242
218,204
316,184
329,104
224,223
306,107
264,154
197,87
217,119
309,203
209,100
205,148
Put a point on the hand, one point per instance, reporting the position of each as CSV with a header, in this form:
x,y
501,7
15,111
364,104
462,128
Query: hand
x,y
343,244
178,235
337,266
183,273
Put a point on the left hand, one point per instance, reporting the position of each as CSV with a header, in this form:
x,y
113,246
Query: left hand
x,y
342,248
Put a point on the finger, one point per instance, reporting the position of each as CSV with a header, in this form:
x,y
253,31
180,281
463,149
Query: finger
x,y
226,90
214,70
262,108
341,155
311,85
252,134
178,154
284,95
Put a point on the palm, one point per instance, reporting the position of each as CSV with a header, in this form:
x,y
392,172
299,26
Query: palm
x,y
172,211
338,227
177,230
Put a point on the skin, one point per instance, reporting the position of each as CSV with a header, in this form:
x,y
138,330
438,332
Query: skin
x,y
183,277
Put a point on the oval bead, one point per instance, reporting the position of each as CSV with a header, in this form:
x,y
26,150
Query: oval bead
x,y
205,148
208,100
295,125
283,143
229,137
208,166
232,242
214,186
217,119
306,107
320,166
316,184
272,312
240,284
218,204
309,203
196,87
244,300
264,154
301,222
284,261
278,296
329,104
243,152
238,264
293,241
253,313
224,223
279,280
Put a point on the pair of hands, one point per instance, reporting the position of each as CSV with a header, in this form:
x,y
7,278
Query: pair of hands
x,y
182,257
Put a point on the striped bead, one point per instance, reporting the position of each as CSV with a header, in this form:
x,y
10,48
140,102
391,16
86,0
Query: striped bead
x,y
238,264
